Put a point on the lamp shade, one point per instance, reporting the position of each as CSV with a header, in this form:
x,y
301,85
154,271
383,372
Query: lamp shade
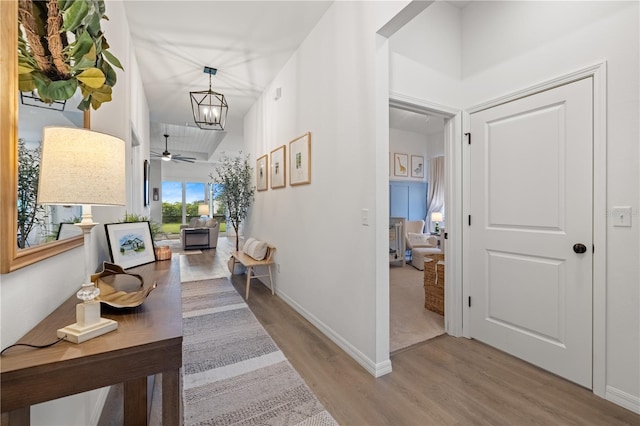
x,y
80,166
203,209
436,217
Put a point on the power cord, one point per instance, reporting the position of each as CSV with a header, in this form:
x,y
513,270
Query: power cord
x,y
33,346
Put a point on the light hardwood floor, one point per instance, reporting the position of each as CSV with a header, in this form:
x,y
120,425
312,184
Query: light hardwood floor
x,y
444,381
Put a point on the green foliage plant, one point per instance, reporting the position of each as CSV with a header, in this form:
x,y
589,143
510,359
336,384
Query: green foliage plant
x,y
61,47
234,175
30,213
156,228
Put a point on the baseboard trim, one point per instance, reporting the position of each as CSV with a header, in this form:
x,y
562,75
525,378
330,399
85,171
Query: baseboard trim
x,y
375,369
623,399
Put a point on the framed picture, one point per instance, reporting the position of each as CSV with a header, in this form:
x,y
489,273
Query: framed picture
x,y
262,180
401,165
68,230
300,160
279,167
145,189
130,244
417,166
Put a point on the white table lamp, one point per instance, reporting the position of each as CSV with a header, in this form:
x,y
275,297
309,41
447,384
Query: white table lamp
x,y
82,167
437,218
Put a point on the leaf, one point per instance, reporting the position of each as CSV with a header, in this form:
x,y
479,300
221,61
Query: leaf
x,y
82,65
24,68
84,104
82,46
60,90
112,59
26,82
74,15
109,73
64,4
100,97
92,77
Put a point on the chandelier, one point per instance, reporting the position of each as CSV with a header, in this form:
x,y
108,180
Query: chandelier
x,y
209,107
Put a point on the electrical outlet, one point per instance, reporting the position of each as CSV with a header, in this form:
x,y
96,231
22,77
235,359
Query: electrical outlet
x,y
278,267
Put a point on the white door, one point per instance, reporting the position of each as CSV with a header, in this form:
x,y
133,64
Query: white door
x,y
530,203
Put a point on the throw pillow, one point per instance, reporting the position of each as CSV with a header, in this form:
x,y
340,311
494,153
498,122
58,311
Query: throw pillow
x,y
256,249
211,223
193,223
247,243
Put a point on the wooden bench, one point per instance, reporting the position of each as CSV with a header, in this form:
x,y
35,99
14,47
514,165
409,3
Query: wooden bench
x,y
250,263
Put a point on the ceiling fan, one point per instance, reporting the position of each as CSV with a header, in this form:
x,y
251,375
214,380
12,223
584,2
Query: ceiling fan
x,y
167,156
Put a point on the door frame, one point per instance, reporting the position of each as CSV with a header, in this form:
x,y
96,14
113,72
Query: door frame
x,y
599,74
453,201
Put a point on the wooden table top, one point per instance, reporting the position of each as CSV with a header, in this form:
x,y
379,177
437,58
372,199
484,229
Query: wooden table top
x,y
148,341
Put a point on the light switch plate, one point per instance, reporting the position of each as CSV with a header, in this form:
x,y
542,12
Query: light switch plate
x,y
365,217
621,216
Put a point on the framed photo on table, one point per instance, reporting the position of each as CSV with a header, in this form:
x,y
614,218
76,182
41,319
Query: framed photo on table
x,y
417,166
262,178
278,165
130,244
401,165
68,230
300,160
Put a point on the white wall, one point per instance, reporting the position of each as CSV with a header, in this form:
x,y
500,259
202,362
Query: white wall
x,y
508,46
325,255
29,294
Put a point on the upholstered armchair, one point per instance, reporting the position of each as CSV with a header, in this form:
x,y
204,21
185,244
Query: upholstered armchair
x,y
416,238
200,233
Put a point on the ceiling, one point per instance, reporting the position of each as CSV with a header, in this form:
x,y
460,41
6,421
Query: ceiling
x,y
247,41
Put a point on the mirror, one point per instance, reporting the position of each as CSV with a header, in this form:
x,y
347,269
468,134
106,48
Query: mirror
x,y
12,257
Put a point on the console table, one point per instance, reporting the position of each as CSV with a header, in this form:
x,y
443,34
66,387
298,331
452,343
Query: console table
x,y
148,341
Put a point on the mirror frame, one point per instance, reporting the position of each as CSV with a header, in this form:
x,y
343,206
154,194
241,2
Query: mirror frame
x,y
11,258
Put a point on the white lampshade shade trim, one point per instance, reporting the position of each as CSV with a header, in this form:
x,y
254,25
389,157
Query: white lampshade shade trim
x,y
81,167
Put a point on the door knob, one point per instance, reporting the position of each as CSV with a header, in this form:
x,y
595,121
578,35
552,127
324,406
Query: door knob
x,y
579,248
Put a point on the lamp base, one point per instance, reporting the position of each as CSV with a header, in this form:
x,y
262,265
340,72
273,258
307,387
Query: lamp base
x,y
78,334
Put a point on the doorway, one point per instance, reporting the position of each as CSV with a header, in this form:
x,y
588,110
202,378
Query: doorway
x,y
451,122
415,138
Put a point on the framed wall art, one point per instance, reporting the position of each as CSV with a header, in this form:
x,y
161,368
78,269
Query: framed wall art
x,y
278,165
145,188
262,178
417,166
300,160
401,165
130,243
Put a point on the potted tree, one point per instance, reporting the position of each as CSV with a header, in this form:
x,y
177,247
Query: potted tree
x,y
63,49
235,190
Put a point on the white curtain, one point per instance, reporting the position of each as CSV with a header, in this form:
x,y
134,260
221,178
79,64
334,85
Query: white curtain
x,y
435,197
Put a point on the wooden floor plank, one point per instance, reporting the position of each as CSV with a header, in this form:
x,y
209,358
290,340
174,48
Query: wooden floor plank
x,y
445,381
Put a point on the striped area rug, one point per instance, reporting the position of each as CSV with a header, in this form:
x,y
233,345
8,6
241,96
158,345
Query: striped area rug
x,y
233,372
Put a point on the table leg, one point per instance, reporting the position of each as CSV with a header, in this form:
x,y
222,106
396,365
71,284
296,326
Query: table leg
x,y
19,416
171,398
135,402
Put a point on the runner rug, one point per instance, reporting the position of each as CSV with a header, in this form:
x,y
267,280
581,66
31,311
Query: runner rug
x,y
233,372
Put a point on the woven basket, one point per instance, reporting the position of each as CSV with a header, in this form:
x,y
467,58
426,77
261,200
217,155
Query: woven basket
x,y
434,283
163,253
